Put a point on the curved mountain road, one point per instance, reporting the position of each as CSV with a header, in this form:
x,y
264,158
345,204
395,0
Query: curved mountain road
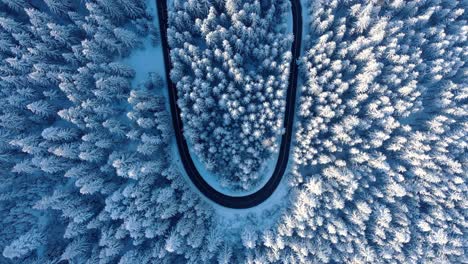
x,y
251,200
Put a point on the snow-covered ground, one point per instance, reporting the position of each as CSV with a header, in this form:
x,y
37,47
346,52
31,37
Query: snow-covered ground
x,y
148,58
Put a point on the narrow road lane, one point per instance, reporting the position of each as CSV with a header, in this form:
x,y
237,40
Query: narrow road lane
x,y
251,200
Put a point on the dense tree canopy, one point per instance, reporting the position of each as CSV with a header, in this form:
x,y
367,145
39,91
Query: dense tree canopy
x,y
381,141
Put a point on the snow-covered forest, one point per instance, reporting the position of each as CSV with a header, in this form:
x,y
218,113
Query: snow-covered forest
x,y
379,163
381,144
86,174
231,67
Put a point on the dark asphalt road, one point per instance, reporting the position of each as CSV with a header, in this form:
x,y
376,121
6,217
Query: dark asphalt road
x,y
251,200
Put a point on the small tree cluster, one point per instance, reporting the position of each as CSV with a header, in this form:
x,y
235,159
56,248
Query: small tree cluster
x,y
231,67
